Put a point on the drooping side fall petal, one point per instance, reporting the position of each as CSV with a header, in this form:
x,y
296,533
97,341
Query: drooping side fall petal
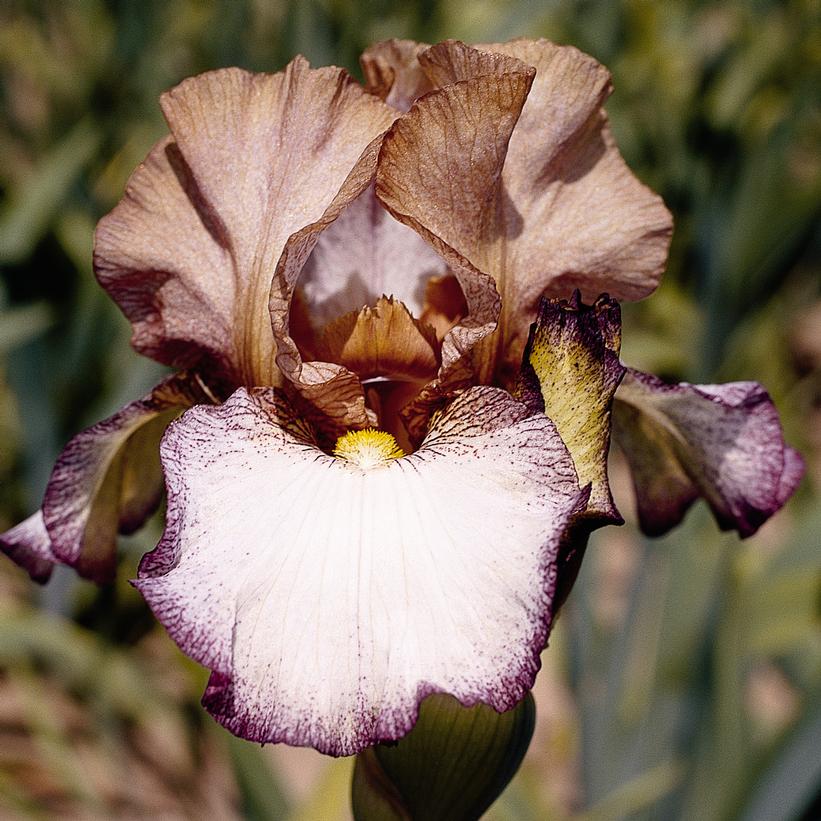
x,y
28,545
108,479
191,251
723,443
329,596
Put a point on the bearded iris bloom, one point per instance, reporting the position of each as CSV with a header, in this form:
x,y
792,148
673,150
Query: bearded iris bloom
x,y
370,498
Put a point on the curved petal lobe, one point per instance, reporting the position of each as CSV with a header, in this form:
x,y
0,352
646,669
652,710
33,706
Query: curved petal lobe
x,y
721,442
585,221
328,599
392,72
382,341
364,254
457,133
28,545
565,212
163,256
108,479
191,251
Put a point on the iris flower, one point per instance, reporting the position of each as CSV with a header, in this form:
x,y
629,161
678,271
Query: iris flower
x,y
368,499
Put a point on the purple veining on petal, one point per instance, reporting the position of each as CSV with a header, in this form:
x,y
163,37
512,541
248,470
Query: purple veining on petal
x,y
721,442
219,597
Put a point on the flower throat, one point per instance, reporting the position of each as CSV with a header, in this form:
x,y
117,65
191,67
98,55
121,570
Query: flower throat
x,y
369,448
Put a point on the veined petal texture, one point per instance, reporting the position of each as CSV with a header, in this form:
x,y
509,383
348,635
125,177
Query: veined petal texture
x,y
329,599
720,442
545,203
29,546
107,480
191,251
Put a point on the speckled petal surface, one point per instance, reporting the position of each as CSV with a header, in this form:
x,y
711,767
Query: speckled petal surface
x,y
28,545
723,443
328,599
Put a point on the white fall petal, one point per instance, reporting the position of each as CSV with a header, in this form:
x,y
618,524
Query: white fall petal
x,y
329,599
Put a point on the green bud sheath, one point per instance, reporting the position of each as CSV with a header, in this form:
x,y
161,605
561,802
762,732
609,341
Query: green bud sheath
x,y
452,765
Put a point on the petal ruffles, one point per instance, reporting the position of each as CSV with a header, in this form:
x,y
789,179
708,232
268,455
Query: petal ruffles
x,y
562,211
720,442
328,600
191,251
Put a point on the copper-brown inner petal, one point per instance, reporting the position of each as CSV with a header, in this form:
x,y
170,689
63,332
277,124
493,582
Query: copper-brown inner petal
x,y
444,304
382,341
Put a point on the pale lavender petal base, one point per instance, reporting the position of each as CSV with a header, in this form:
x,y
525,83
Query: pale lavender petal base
x,y
29,546
720,442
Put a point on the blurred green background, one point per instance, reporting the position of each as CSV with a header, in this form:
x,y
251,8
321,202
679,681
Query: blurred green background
x,y
683,678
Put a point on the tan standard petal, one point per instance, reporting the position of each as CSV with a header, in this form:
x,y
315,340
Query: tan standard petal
x,y
441,165
254,158
575,215
333,397
164,257
564,213
270,154
439,172
382,341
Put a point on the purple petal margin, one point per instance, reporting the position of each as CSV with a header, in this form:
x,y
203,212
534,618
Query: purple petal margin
x,y
248,605
29,546
106,480
723,443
